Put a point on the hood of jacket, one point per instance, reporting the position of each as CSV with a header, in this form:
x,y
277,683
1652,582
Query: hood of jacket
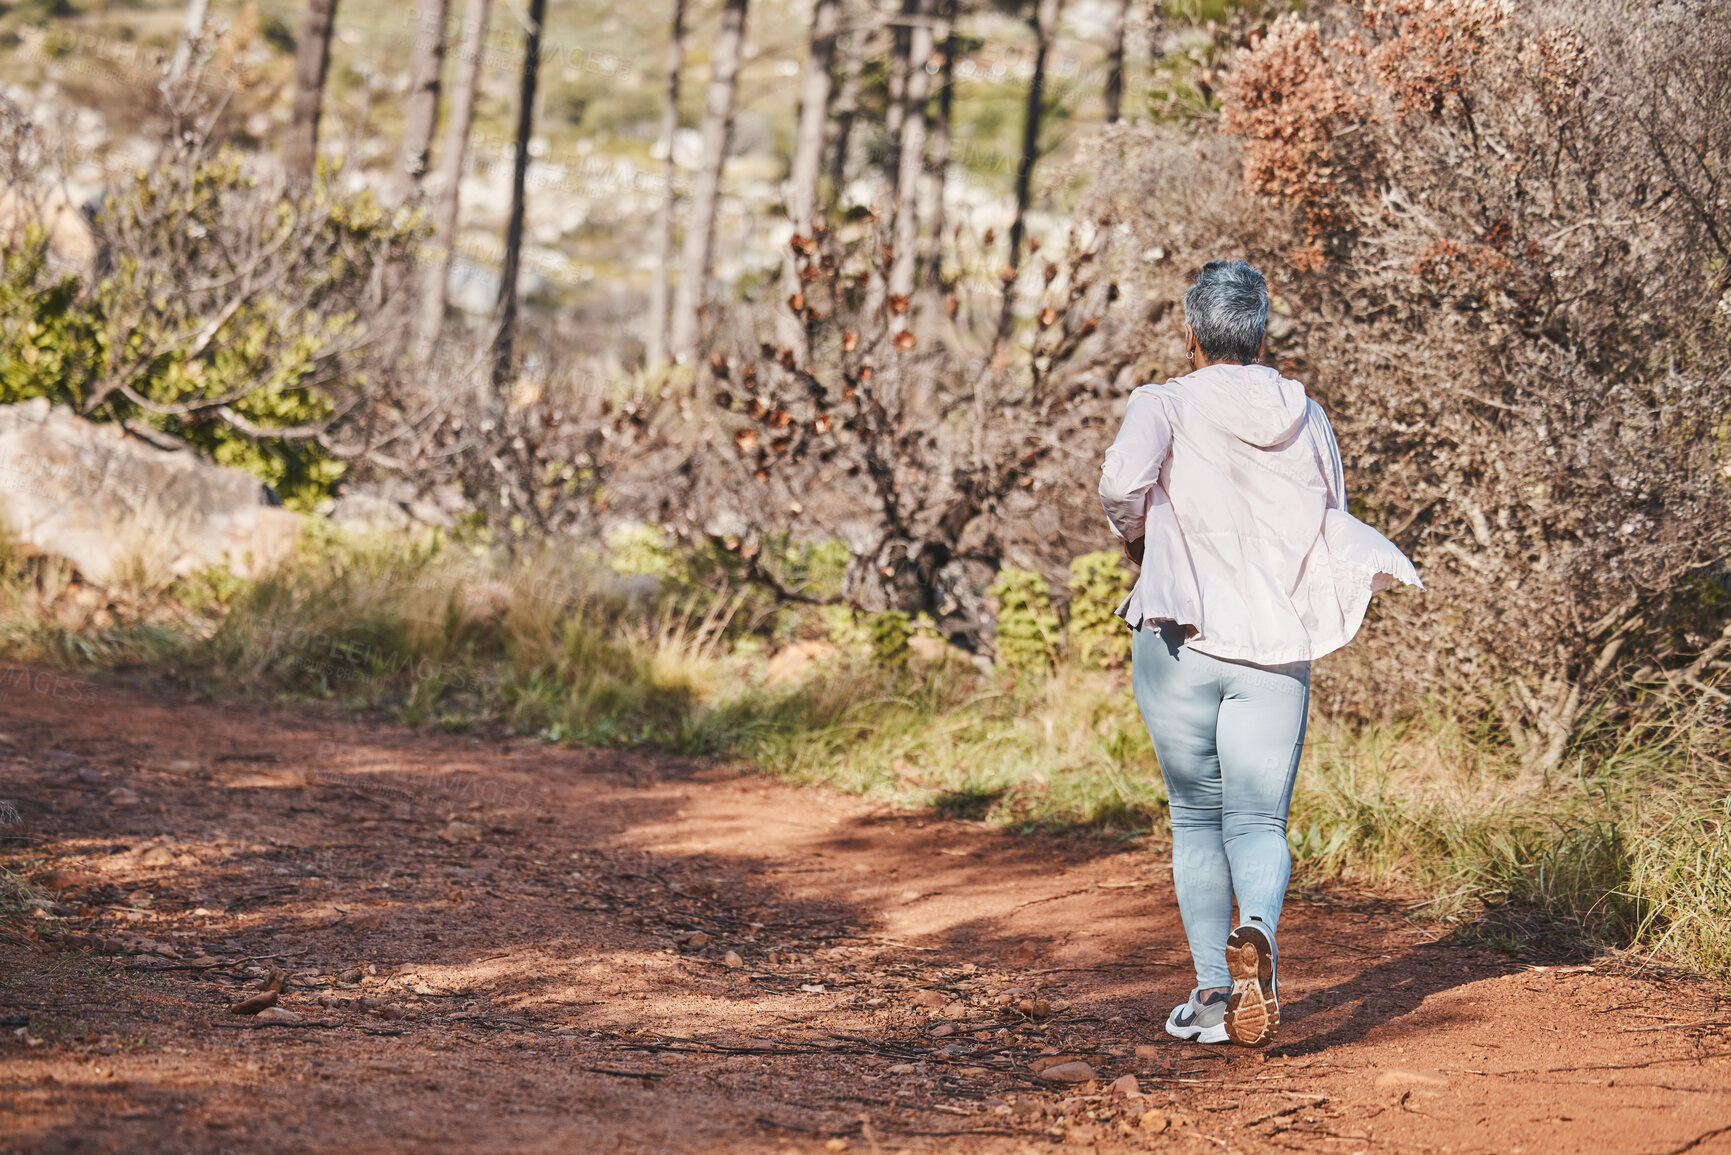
x,y
1252,402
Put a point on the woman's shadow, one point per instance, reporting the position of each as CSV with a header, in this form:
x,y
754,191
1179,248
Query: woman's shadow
x,y
1383,993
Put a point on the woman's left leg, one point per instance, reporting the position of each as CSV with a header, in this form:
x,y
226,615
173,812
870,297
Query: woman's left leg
x,y
1260,737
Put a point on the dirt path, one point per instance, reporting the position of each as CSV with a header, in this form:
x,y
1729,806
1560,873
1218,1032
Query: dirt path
x,y
490,947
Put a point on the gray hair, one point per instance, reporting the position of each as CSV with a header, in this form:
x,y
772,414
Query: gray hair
x,y
1227,309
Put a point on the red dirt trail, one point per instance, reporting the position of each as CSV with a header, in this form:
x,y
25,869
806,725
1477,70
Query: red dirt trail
x,y
489,947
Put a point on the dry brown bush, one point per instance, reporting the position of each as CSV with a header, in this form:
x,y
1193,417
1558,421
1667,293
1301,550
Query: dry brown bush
x,y
1512,299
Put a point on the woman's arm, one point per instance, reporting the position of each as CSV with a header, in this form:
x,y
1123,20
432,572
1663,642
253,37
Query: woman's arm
x,y
1133,464
1327,455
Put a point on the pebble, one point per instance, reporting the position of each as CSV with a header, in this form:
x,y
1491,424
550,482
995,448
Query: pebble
x,y
121,796
904,1069
698,938
1155,1121
1072,1072
457,830
732,959
932,999
943,1030
1127,1086
278,1015
1396,1077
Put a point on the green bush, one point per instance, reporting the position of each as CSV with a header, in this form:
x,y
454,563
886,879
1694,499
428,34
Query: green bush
x,y
1098,583
1028,631
226,313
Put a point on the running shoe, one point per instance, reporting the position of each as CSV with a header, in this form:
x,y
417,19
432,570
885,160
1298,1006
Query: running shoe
x,y
1252,1009
1199,1020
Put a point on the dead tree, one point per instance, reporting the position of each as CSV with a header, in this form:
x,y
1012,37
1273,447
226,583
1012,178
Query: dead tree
x,y
1045,28
312,62
1115,61
808,158
661,239
699,245
430,317
507,305
940,148
911,157
421,107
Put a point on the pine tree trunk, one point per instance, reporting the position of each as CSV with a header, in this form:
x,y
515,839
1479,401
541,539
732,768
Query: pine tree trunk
x,y
912,153
896,110
940,149
661,239
1115,62
312,62
437,267
507,307
699,245
846,107
807,163
421,107
1045,27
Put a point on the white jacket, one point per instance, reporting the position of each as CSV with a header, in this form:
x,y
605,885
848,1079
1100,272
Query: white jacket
x,y
1233,477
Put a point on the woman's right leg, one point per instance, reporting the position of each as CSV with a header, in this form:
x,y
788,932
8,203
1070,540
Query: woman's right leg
x,y
1178,693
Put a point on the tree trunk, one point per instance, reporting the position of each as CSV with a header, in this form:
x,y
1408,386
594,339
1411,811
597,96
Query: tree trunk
x,y
312,62
807,162
1045,27
661,239
940,149
912,152
846,107
699,244
421,108
896,110
1115,62
438,264
507,307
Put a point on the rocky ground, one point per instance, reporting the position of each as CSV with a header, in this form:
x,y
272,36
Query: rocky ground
x,y
484,943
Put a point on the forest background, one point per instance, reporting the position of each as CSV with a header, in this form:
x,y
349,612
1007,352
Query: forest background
x,y
733,379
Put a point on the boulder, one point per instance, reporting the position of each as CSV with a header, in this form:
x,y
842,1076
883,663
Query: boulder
x,y
120,509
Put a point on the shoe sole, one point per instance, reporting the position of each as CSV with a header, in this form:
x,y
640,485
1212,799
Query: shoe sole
x,y
1252,1010
1215,1034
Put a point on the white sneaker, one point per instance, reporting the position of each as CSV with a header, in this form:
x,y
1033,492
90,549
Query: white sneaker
x,y
1199,1020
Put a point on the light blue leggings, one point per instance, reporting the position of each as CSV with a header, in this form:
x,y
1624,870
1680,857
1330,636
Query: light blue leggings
x,y
1228,736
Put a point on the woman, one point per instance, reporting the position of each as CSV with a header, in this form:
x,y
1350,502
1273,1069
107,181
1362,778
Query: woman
x,y
1228,482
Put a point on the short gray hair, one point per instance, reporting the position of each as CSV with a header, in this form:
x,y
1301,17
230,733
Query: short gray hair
x,y
1227,309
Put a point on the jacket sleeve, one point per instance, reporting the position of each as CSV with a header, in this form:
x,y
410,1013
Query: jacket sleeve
x,y
1327,455
1133,464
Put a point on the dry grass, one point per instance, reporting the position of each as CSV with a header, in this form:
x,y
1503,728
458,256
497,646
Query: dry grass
x,y
1628,841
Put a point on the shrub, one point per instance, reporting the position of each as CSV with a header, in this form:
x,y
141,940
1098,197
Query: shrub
x,y
1028,632
1098,583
